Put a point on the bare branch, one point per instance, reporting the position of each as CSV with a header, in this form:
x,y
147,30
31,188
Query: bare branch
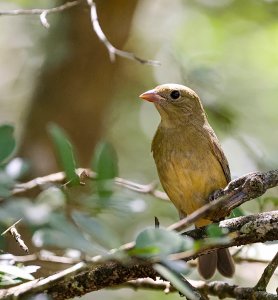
x,y
40,256
216,288
60,178
113,51
40,11
267,274
16,235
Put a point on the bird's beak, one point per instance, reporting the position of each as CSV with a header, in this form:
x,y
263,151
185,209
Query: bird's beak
x,y
150,96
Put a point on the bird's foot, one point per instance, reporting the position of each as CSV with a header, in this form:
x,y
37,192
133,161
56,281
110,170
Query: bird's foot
x,y
216,194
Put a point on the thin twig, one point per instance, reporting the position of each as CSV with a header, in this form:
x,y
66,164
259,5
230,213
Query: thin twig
x,y
43,12
267,274
59,178
16,235
113,51
239,259
40,256
39,285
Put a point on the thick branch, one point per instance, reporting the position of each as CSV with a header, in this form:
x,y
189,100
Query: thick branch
x,y
237,192
84,278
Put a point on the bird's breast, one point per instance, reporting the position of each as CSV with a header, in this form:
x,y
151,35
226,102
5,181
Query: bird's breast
x,y
188,170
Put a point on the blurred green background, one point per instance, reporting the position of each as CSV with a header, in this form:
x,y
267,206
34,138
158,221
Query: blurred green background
x,y
226,51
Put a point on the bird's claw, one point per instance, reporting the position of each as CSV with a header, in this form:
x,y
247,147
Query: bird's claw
x,y
216,194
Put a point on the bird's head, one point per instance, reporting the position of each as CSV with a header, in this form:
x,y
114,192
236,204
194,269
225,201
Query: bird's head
x,y
175,102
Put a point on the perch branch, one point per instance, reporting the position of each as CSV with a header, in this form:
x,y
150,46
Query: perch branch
x,y
237,192
84,278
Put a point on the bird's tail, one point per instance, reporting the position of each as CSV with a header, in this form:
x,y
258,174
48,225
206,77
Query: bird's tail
x,y
225,263
220,259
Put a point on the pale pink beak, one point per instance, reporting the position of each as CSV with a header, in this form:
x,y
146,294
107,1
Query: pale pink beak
x,y
150,96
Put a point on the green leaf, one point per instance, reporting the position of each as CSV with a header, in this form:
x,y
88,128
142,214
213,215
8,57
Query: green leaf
x,y
8,280
105,164
273,200
99,231
214,231
16,272
6,184
176,281
7,142
237,212
105,161
63,234
177,266
165,242
64,152
52,197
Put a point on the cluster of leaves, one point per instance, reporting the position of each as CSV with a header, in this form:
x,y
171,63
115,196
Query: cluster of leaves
x,y
79,229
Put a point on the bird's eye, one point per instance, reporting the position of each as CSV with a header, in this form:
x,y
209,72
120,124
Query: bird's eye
x,y
175,94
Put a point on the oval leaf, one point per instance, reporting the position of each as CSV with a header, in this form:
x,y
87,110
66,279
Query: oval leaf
x,y
164,241
176,281
7,142
105,164
16,272
64,152
100,233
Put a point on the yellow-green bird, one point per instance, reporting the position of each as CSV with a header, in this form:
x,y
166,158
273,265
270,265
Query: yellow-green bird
x,y
190,162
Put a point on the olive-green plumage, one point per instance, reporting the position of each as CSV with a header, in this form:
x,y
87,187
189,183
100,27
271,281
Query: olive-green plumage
x,y
190,162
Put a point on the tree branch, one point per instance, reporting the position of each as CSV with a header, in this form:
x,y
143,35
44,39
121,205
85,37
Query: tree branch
x,y
43,12
84,174
84,278
38,11
237,192
216,288
267,274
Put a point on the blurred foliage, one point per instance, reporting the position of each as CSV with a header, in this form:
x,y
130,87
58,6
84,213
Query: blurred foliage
x,y
160,242
64,152
10,275
225,50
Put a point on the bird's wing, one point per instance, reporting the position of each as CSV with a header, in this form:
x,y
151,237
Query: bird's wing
x,y
218,152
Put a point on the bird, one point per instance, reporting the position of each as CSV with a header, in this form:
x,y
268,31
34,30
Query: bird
x,y
190,162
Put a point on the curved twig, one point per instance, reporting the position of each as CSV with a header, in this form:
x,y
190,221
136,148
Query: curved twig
x,y
113,51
